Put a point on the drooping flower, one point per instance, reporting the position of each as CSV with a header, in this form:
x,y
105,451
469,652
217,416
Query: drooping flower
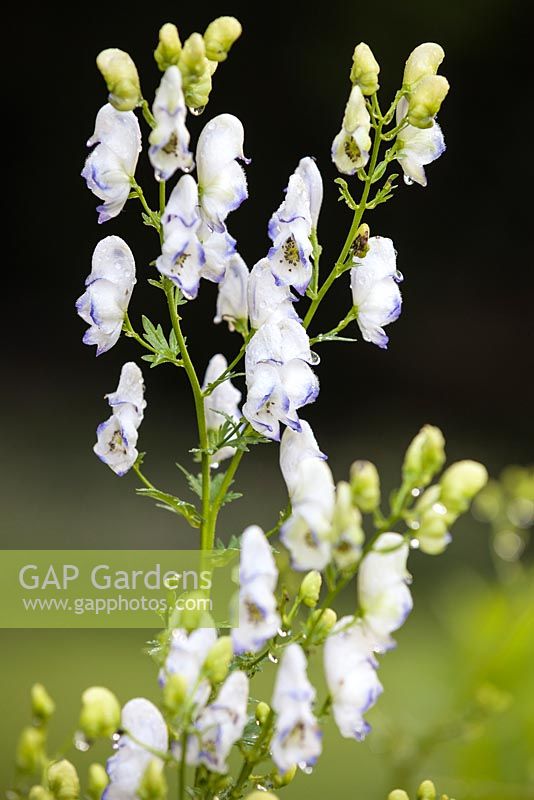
x,y
110,167
182,257
375,293
297,736
417,147
290,229
145,734
222,182
258,618
232,302
279,342
219,248
267,300
295,448
221,403
220,725
109,288
169,140
384,597
309,172
117,436
350,670
186,657
350,148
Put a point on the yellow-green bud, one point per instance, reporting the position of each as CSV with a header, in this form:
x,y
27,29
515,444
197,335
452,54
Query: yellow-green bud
x,y
424,457
174,692
39,793
31,750
365,485
97,781
42,704
196,72
262,712
426,99
347,532
63,780
261,796
284,779
422,61
122,80
365,69
360,245
310,588
153,785
398,794
219,37
169,48
460,483
426,791
218,660
327,620
101,713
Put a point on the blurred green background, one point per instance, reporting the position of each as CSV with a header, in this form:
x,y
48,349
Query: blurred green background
x,y
458,701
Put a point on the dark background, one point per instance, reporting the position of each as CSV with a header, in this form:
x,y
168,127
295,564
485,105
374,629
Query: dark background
x,y
460,356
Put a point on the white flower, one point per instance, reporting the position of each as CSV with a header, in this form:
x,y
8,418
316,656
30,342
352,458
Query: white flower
x,y
142,720
350,670
221,403
295,448
309,172
232,303
258,617
117,437
375,294
278,343
297,736
219,248
350,148
417,147
169,140
182,256
222,182
384,597
267,300
186,658
104,303
290,230
109,168
220,725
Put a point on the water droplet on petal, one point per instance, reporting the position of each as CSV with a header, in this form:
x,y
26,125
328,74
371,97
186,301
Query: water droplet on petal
x,y
282,634
261,788
414,544
407,180
314,359
415,492
187,169
399,277
273,658
197,111
81,743
302,765
415,525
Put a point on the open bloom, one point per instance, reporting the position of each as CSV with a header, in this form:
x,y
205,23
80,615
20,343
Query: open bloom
x,y
109,288
110,167
145,731
309,172
182,256
297,736
220,725
232,302
350,148
417,147
268,301
258,617
186,658
221,403
117,436
169,140
383,594
375,293
222,182
350,670
290,230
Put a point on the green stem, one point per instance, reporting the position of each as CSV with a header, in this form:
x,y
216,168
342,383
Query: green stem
x,y
141,195
254,757
182,769
226,374
129,331
221,494
142,478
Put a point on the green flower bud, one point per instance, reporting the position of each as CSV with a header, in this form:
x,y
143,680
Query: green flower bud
x,y
365,69
347,531
327,620
284,779
430,522
310,588
426,791
426,99
31,750
153,785
218,660
63,780
174,692
196,72
424,457
262,712
97,781
219,37
101,713
261,796
360,245
459,484
398,794
122,80
422,61
39,793
365,485
42,704
169,48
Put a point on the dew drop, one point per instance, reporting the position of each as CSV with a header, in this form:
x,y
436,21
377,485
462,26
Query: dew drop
x,y
408,181
197,111
415,525
282,634
399,277
303,766
80,742
439,508
187,169
415,492
314,359
261,788
414,544
273,659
